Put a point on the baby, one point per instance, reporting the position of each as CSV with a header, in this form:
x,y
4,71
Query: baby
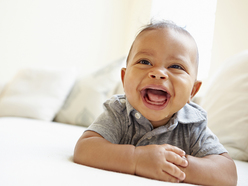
x,y
154,130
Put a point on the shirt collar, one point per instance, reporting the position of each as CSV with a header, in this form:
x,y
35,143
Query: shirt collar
x,y
190,113
129,107
132,112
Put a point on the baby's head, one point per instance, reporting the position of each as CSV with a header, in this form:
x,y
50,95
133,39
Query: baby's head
x,y
161,72
168,25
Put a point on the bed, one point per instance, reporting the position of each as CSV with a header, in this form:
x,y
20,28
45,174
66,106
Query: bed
x,y
43,113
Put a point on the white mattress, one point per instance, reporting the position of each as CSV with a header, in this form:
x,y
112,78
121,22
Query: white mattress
x,y
40,153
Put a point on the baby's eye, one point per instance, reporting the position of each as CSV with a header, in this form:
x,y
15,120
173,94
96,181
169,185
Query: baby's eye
x,y
177,67
145,62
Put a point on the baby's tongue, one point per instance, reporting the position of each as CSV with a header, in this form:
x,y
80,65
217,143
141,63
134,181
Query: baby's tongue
x,y
156,95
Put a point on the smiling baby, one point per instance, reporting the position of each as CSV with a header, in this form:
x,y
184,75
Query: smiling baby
x,y
154,130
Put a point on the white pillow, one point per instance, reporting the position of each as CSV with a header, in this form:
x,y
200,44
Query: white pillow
x,y
85,101
226,101
36,93
1,87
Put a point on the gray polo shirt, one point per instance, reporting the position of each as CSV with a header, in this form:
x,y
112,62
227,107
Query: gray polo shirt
x,y
120,123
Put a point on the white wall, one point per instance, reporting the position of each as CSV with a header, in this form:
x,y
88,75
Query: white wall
x,y
230,35
87,34
231,31
91,33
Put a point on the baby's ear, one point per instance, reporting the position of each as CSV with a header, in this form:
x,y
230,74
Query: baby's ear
x,y
195,89
123,72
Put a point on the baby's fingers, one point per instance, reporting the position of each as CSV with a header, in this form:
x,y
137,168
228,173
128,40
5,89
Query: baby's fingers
x,y
176,159
175,149
174,171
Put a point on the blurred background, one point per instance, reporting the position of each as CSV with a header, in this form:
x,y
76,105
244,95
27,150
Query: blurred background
x,y
91,34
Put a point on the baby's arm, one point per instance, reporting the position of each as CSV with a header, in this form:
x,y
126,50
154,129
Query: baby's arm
x,y
152,161
211,170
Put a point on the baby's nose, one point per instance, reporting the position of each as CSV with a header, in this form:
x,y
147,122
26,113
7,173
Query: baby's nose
x,y
158,74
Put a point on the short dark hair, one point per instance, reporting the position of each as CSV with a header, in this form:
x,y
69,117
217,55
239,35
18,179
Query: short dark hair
x,y
166,24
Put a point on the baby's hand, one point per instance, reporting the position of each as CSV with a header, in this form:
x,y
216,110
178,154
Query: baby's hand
x,y
159,162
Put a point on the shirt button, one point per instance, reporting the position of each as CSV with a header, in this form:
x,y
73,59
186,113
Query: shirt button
x,y
123,101
137,115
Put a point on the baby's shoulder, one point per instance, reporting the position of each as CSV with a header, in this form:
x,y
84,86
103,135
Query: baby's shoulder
x,y
197,108
117,103
192,113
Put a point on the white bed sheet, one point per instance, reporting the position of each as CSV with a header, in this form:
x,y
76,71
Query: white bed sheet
x,y
35,152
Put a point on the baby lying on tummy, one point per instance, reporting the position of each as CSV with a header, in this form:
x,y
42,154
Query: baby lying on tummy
x,y
154,130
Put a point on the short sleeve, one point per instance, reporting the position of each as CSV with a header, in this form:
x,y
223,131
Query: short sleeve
x,y
204,142
109,123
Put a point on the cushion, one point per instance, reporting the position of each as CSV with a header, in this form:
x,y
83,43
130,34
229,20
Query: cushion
x,y
85,101
36,93
226,101
1,87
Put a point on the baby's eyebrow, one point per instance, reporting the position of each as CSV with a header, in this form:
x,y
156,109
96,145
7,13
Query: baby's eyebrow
x,y
152,53
148,53
179,58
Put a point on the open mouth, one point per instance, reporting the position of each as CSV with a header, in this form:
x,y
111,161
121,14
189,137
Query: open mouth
x,y
155,98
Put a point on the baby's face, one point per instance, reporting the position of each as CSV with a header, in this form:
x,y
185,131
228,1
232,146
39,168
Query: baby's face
x,y
160,77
